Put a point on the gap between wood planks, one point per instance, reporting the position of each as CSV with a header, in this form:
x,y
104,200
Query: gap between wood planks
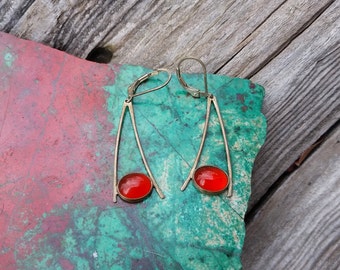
x,y
299,161
283,45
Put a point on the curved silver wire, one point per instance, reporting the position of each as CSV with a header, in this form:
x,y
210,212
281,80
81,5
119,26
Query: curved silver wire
x,y
210,99
128,104
191,90
133,87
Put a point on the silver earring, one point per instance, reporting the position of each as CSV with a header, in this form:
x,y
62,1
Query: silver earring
x,y
135,187
208,179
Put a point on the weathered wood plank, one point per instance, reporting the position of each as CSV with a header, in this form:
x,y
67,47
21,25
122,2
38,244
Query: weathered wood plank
x,y
153,34
299,226
274,35
303,98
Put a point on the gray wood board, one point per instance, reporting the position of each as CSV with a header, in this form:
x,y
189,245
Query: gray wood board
x,y
299,226
302,98
290,47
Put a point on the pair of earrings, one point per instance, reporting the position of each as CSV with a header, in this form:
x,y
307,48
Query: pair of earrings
x,y
135,187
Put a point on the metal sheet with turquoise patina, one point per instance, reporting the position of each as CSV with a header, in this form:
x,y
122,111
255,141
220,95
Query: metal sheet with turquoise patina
x,y
58,121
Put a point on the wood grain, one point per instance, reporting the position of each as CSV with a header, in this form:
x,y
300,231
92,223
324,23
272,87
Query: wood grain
x,y
150,33
303,98
276,33
299,226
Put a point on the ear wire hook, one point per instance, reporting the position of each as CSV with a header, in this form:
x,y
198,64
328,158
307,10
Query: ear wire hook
x,y
133,87
211,99
193,91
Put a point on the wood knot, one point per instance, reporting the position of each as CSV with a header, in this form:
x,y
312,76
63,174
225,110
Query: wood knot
x,y
101,55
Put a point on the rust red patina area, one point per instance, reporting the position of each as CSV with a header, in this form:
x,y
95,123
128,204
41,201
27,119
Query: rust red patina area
x,y
53,127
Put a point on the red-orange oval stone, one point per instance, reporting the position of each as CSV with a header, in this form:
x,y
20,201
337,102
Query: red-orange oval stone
x,y
134,187
211,179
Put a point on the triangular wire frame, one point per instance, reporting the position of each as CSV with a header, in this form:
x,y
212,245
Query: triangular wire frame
x,y
128,104
212,99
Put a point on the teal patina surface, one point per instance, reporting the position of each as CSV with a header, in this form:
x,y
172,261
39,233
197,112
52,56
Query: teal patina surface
x,y
56,172
188,229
